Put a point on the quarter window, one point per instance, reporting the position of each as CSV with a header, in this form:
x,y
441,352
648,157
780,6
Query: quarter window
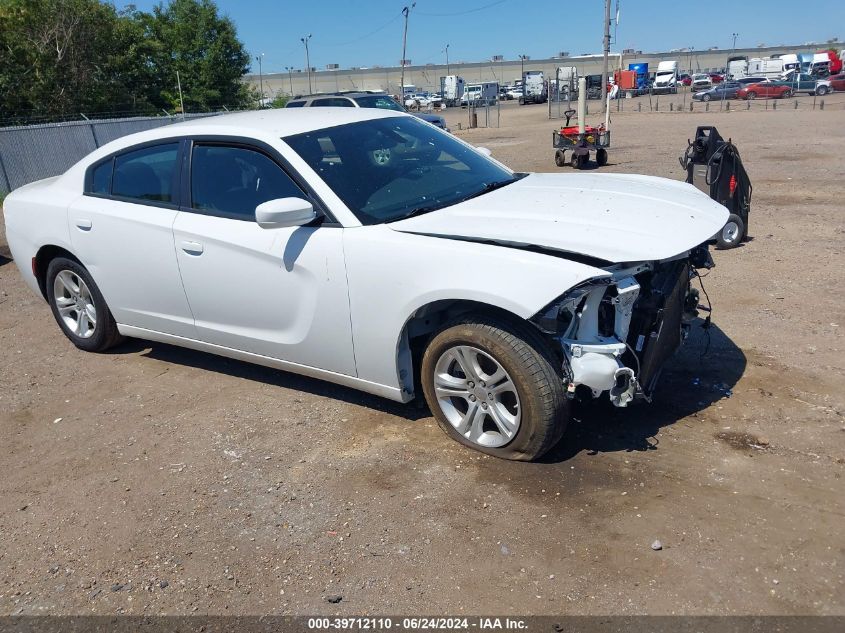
x,y
101,178
232,181
145,174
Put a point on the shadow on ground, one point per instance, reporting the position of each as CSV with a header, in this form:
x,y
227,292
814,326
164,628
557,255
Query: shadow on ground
x,y
703,372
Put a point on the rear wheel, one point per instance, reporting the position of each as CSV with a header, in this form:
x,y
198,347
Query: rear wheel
x,y
79,307
786,94
822,91
705,97
560,158
751,95
601,157
491,388
579,161
732,233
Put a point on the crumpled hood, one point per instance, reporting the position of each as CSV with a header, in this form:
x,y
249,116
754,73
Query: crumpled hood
x,y
614,217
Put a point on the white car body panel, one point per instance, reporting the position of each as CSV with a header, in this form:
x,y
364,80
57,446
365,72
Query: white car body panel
x,y
128,249
614,217
333,301
276,292
418,270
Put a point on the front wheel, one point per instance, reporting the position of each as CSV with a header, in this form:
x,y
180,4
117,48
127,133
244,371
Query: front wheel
x,y
751,95
822,91
79,307
560,158
491,388
705,98
786,94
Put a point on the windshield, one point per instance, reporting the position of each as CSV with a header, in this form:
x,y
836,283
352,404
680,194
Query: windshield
x,y
393,168
384,102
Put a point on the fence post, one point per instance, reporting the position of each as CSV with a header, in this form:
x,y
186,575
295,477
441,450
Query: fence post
x,y
796,104
94,134
814,102
640,106
671,107
706,106
821,104
727,106
4,178
774,105
690,106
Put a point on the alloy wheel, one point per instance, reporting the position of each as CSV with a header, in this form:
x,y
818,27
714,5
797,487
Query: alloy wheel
x,y
75,304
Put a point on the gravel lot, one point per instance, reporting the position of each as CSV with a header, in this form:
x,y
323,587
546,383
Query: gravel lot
x,y
159,480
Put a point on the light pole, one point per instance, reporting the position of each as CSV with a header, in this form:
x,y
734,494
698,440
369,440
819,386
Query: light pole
x,y
258,58
304,40
405,12
447,59
604,72
734,35
290,78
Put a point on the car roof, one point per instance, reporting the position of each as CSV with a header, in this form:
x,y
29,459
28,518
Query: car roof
x,y
275,123
278,122
352,94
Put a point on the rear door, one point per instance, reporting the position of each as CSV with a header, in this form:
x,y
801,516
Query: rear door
x,y
279,292
121,229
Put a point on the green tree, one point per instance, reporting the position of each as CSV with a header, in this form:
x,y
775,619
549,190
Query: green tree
x,y
191,37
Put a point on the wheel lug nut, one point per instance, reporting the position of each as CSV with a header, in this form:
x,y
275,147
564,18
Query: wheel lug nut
x,y
472,398
470,384
483,405
489,396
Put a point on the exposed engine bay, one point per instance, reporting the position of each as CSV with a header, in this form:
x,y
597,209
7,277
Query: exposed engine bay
x,y
616,333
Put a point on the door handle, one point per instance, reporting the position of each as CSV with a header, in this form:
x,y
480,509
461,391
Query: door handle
x,y
83,224
192,248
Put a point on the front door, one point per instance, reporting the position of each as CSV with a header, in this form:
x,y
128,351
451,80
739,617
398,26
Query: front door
x,y
280,293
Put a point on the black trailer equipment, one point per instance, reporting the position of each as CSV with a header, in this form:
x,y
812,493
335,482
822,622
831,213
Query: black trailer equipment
x,y
714,166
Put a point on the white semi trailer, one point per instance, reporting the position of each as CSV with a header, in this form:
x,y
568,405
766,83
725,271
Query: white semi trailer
x,y
666,78
452,88
534,89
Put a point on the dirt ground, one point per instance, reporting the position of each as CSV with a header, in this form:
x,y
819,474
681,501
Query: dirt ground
x,y
158,480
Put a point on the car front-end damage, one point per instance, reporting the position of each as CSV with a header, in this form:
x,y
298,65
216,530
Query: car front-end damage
x,y
614,333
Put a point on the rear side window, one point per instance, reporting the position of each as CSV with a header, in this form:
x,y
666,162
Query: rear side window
x,y
146,174
295,104
232,181
333,102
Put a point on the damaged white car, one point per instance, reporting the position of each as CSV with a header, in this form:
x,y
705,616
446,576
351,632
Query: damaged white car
x,y
371,249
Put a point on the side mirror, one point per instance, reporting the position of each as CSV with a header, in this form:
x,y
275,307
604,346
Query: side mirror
x,y
282,212
484,151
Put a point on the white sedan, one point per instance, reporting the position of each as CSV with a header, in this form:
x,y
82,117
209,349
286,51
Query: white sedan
x,y
371,249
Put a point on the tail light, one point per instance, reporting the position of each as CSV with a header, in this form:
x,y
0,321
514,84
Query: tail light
x,y
34,267
732,184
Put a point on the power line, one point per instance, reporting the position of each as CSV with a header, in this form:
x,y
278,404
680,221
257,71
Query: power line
x,y
481,8
370,34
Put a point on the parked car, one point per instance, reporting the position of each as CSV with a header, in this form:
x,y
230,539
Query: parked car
x,y
354,99
726,90
768,90
701,81
837,82
685,79
346,244
747,81
810,84
506,93
515,92
716,78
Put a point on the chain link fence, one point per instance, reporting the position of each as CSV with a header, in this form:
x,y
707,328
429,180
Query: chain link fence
x,y
32,152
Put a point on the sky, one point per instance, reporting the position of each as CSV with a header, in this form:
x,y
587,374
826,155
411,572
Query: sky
x,y
369,32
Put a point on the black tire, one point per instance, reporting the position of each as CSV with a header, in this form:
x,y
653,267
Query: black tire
x,y
822,91
543,406
786,94
521,101
732,234
705,97
105,334
601,157
751,95
560,158
579,161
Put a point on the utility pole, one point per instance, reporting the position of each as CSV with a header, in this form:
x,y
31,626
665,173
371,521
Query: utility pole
x,y
181,101
447,59
290,78
405,11
606,52
258,58
304,40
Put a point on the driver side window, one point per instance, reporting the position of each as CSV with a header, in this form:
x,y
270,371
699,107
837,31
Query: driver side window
x,y
231,181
